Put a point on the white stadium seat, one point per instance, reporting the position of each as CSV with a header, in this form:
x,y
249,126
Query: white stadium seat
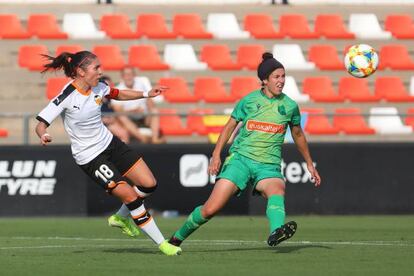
x,y
182,57
225,26
385,120
366,26
81,26
291,89
291,56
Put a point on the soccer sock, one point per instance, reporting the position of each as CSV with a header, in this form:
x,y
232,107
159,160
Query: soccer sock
x,y
145,221
275,211
123,211
194,220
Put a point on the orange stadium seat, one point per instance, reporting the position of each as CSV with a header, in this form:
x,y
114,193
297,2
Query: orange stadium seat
x,y
171,124
250,56
296,26
218,57
392,89
409,120
178,91
110,57
350,121
54,86
68,48
396,57
356,90
195,121
211,90
318,123
190,26
332,26
3,132
153,26
241,86
45,26
146,57
30,57
325,57
320,89
11,28
400,25
117,26
261,26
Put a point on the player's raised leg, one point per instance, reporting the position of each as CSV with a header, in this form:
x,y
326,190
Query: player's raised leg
x,y
221,193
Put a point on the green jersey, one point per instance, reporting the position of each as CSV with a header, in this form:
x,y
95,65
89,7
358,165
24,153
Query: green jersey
x,y
265,121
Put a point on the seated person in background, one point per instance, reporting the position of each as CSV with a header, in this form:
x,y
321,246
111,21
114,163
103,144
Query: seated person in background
x,y
140,107
112,122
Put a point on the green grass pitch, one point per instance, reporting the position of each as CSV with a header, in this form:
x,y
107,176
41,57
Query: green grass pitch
x,y
323,245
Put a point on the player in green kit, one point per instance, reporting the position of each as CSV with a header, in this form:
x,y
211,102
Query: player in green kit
x,y
255,156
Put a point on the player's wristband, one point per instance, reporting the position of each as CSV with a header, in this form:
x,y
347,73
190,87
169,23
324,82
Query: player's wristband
x,y
145,94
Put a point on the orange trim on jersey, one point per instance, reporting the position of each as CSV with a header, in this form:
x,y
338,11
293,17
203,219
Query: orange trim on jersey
x,y
252,125
143,224
133,166
83,92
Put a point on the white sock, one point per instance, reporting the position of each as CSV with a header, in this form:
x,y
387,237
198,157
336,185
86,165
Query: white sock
x,y
123,211
147,224
141,193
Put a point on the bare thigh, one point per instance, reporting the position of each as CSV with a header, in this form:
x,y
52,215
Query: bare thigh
x,y
271,186
141,175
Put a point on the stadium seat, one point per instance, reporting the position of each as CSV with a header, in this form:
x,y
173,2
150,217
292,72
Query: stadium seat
x,y
261,26
296,26
30,57
195,120
225,26
241,86
11,28
211,90
214,125
3,133
171,123
366,26
45,26
81,26
54,86
218,57
110,57
409,119
351,121
331,26
325,57
291,56
146,57
117,26
412,86
178,91
392,89
318,123
68,48
320,89
400,25
396,57
190,26
356,90
182,57
291,89
153,26
385,120
250,56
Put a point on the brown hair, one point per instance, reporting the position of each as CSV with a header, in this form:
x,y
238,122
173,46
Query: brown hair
x,y
69,62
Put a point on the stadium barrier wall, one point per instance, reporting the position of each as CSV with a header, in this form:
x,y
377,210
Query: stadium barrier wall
x,y
358,178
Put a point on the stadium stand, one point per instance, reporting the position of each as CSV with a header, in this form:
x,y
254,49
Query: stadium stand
x,y
110,57
261,26
396,57
195,121
320,89
45,26
241,86
146,57
81,26
366,26
400,25
392,89
117,26
296,26
385,120
54,86
318,123
190,26
178,91
325,57
68,48
356,90
331,26
153,26
182,57
211,90
225,26
30,56
350,121
171,123
11,28
218,57
249,56
291,56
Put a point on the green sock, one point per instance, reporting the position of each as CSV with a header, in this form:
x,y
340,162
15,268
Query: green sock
x,y
275,211
194,220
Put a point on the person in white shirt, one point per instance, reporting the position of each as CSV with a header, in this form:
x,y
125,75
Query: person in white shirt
x,y
106,159
141,107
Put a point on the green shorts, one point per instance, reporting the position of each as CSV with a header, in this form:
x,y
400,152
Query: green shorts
x,y
243,171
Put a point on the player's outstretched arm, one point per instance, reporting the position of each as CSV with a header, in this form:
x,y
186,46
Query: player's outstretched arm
x,y
224,137
125,95
302,145
45,137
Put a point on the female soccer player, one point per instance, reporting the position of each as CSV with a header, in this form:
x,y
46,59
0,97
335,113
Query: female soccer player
x,y
105,158
255,156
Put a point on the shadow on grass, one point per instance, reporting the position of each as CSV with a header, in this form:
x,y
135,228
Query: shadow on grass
x,y
292,248
149,251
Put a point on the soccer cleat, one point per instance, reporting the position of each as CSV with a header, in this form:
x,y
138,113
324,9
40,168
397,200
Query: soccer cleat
x,y
127,225
174,241
282,233
169,249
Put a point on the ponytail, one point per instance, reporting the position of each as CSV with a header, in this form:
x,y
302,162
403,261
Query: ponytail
x,y
68,62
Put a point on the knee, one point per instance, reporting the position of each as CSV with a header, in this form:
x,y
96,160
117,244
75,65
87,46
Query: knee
x,y
208,211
